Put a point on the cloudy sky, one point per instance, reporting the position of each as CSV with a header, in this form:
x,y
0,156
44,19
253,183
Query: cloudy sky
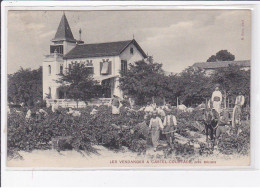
x,y
177,39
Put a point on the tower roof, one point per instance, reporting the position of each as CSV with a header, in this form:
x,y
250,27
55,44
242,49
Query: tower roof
x,y
64,31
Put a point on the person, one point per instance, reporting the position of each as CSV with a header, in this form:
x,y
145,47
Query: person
x,y
155,126
148,110
161,112
8,110
28,114
94,111
240,100
170,124
41,114
217,99
54,107
115,105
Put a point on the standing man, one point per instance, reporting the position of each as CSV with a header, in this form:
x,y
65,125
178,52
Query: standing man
x,y
240,101
217,99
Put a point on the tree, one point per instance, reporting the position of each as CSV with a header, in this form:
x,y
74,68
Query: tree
x,y
192,86
79,84
232,80
143,81
222,55
25,86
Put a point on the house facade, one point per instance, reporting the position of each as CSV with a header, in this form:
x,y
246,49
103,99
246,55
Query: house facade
x,y
210,67
105,59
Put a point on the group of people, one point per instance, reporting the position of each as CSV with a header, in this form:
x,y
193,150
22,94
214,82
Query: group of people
x,y
216,104
160,118
162,121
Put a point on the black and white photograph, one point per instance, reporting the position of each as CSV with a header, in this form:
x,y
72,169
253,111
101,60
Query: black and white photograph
x,y
128,88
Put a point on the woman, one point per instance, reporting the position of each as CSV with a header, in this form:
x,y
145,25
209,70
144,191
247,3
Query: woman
x,y
217,99
116,104
155,126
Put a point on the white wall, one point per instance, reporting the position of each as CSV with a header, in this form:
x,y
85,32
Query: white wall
x,y
96,63
55,62
49,79
67,46
131,58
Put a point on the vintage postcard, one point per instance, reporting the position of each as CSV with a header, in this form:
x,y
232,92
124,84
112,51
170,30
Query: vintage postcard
x,y
97,89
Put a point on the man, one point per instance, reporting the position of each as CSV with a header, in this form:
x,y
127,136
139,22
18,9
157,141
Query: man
x,y
217,99
170,124
240,100
148,110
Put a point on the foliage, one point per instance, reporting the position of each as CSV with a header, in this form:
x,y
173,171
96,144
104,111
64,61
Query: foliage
x,y
230,144
222,55
79,84
25,86
232,80
83,131
192,85
143,81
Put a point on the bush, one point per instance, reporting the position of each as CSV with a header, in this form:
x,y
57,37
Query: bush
x,y
229,144
84,131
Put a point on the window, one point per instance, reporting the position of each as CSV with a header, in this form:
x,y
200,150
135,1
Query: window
x,y
49,69
61,69
49,92
90,66
105,68
131,51
123,66
58,48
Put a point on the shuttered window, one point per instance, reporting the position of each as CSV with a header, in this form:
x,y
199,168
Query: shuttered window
x,y
105,68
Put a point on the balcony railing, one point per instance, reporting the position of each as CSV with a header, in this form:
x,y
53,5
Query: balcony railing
x,y
68,103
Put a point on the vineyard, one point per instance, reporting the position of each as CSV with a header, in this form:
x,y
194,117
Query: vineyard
x,y
61,131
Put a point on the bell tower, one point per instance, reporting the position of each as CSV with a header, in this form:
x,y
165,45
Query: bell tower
x,y
63,40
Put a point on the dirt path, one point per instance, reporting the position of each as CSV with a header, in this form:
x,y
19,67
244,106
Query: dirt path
x,y
109,159
125,158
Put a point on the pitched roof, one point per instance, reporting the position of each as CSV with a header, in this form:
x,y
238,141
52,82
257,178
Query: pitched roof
x,y
101,49
219,64
64,31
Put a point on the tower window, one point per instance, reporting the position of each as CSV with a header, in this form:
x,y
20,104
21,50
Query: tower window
x,y
58,48
131,51
49,69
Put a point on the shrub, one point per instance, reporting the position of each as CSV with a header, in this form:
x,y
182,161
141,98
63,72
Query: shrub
x,y
84,131
229,144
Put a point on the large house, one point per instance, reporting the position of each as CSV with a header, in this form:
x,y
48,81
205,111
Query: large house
x,y
105,59
210,67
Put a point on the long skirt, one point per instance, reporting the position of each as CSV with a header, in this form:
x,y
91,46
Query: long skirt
x,y
217,106
155,137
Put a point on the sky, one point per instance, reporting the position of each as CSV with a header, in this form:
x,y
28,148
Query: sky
x,y
175,38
